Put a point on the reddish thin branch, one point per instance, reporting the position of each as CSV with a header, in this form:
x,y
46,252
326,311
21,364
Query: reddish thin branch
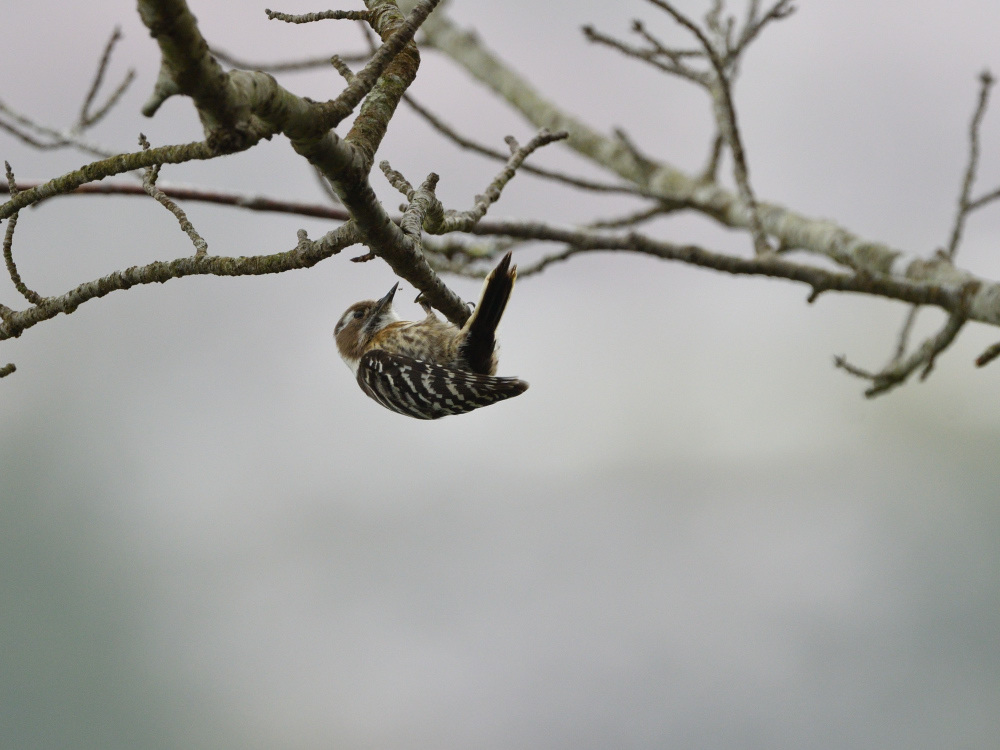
x,y
252,203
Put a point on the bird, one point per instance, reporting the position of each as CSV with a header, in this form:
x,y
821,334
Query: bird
x,y
429,369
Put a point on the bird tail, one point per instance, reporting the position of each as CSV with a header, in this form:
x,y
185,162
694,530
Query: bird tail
x,y
480,340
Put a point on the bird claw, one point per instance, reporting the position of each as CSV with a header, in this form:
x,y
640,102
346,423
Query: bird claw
x,y
421,299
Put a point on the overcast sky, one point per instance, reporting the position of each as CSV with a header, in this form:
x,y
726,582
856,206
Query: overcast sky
x,y
692,531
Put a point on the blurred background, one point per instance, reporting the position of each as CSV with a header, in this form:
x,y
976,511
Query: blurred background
x,y
692,531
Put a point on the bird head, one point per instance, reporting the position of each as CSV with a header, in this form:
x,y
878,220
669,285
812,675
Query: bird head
x,y
360,322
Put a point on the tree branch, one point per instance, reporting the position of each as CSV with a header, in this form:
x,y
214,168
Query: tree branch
x,y
8,248
659,179
897,371
201,195
306,254
98,170
965,204
725,119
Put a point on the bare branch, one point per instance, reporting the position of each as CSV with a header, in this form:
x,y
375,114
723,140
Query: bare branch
x,y
425,211
754,24
725,118
633,219
462,142
149,185
341,67
675,54
959,297
397,180
653,55
238,200
305,254
464,221
87,118
984,199
711,171
964,203
904,334
928,281
365,79
633,148
658,179
106,168
326,187
26,137
922,359
44,137
453,254
8,247
336,15
424,205
896,368
287,66
112,100
991,353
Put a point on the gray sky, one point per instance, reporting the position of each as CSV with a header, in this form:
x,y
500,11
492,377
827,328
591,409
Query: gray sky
x,y
692,531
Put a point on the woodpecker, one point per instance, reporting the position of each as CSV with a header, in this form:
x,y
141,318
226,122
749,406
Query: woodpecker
x,y
429,368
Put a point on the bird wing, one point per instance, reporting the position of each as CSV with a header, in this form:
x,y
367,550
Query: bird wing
x,y
425,390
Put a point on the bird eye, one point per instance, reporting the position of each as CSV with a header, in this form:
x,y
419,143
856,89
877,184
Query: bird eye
x,y
359,314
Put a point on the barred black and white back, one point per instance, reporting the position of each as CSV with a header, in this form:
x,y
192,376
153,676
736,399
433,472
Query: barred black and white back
x,y
425,390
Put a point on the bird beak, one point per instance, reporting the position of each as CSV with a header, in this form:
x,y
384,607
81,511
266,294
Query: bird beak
x,y
386,301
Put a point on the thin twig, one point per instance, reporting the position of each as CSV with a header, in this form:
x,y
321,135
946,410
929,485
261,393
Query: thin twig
x,y
42,137
102,67
454,252
676,54
86,117
287,66
924,357
425,206
238,200
326,15
753,25
674,63
984,199
341,67
633,148
989,355
904,334
32,133
467,143
635,218
463,221
8,247
397,180
112,99
964,208
149,185
964,202
29,139
711,171
725,116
